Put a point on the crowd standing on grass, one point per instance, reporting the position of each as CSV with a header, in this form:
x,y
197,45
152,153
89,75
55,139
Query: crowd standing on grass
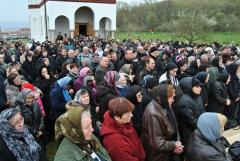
x,y
117,100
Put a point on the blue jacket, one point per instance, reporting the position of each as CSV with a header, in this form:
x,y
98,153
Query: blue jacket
x,y
57,100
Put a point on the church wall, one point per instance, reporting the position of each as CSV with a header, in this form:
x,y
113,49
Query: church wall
x,y
68,9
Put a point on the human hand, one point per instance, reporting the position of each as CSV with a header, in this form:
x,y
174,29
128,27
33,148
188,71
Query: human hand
x,y
228,102
178,147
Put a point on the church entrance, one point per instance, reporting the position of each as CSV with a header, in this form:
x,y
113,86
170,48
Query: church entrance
x,y
84,22
83,30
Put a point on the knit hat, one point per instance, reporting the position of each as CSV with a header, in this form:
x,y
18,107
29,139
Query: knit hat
x,y
202,76
153,49
195,82
149,82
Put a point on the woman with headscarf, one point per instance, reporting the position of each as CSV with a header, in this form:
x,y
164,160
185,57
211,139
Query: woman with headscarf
x,y
60,94
43,82
78,83
83,98
161,141
31,112
204,143
16,143
204,77
119,137
170,74
218,98
106,90
127,69
134,95
73,131
148,83
234,94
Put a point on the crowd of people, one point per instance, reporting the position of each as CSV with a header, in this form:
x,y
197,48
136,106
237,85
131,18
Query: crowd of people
x,y
117,100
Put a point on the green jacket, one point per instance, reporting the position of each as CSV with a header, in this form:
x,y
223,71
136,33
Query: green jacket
x,y
68,151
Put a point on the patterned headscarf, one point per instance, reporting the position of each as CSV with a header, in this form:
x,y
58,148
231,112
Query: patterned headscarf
x,y
127,69
21,98
23,151
82,74
69,125
111,77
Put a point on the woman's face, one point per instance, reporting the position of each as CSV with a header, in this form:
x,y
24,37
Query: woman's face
x,y
173,72
228,80
197,89
75,70
85,99
139,96
126,118
29,100
44,71
17,81
17,122
46,62
87,127
207,79
183,68
171,98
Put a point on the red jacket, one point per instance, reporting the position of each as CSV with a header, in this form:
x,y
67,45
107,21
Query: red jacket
x,y
121,141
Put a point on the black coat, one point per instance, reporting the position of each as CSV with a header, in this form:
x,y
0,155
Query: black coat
x,y
217,98
7,155
189,109
200,149
3,97
104,94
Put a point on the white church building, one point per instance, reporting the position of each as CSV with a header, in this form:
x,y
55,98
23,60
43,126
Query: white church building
x,y
72,17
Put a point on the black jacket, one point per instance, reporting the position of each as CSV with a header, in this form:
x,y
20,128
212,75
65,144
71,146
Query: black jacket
x,y
217,98
189,109
200,149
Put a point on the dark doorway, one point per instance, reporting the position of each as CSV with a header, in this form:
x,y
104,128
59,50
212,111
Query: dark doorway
x,y
83,29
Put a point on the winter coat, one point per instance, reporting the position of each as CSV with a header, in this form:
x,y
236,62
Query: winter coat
x,y
200,149
3,97
30,68
189,108
99,74
104,94
121,140
57,100
68,151
59,61
156,133
217,98
7,155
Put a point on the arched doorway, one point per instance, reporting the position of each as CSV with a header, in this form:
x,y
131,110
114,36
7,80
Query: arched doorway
x,y
84,20
62,25
105,26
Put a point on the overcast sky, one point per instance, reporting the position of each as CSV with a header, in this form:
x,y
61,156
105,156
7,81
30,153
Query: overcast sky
x,y
16,11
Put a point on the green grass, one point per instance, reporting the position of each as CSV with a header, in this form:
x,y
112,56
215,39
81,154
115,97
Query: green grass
x,y
164,36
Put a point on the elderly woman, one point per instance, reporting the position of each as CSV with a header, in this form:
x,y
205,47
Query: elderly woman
x,y
74,132
83,98
119,137
16,143
31,112
204,140
161,141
